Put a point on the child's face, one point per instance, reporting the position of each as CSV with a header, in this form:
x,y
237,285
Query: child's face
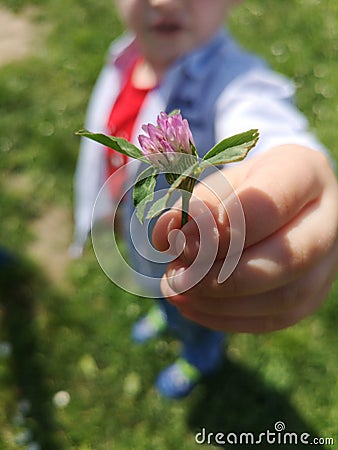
x,y
168,29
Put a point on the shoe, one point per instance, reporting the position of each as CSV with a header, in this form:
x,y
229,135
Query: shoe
x,y
149,326
178,380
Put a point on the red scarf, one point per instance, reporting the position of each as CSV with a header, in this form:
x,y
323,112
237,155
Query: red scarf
x,y
121,124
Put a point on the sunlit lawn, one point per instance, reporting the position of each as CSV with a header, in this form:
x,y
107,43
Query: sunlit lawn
x,y
67,339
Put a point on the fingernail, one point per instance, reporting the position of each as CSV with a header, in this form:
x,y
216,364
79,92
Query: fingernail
x,y
191,249
176,241
174,277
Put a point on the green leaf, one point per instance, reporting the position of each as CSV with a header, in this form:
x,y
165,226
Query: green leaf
x,y
162,203
159,206
118,144
144,190
232,149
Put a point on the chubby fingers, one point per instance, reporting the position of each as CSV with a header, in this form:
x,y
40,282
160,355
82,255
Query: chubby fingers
x,y
268,311
259,323
276,261
262,195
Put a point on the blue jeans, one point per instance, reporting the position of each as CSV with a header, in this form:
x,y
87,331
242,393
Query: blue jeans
x,y
201,346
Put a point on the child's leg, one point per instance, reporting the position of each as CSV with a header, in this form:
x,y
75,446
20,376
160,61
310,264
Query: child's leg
x,y
201,346
151,325
201,355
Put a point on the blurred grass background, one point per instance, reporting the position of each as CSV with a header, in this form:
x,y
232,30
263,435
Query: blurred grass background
x,y
69,376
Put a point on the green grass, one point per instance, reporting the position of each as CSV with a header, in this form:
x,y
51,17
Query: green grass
x,y
74,335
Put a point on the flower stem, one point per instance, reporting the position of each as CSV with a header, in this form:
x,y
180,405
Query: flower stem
x,y
186,195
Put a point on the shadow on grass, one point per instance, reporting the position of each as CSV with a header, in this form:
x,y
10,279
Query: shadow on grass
x,y
20,283
237,401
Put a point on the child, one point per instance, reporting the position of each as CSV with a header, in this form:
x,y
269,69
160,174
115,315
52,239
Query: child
x,y
178,56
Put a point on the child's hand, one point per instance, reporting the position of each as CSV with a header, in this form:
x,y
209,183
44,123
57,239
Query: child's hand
x,y
289,197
